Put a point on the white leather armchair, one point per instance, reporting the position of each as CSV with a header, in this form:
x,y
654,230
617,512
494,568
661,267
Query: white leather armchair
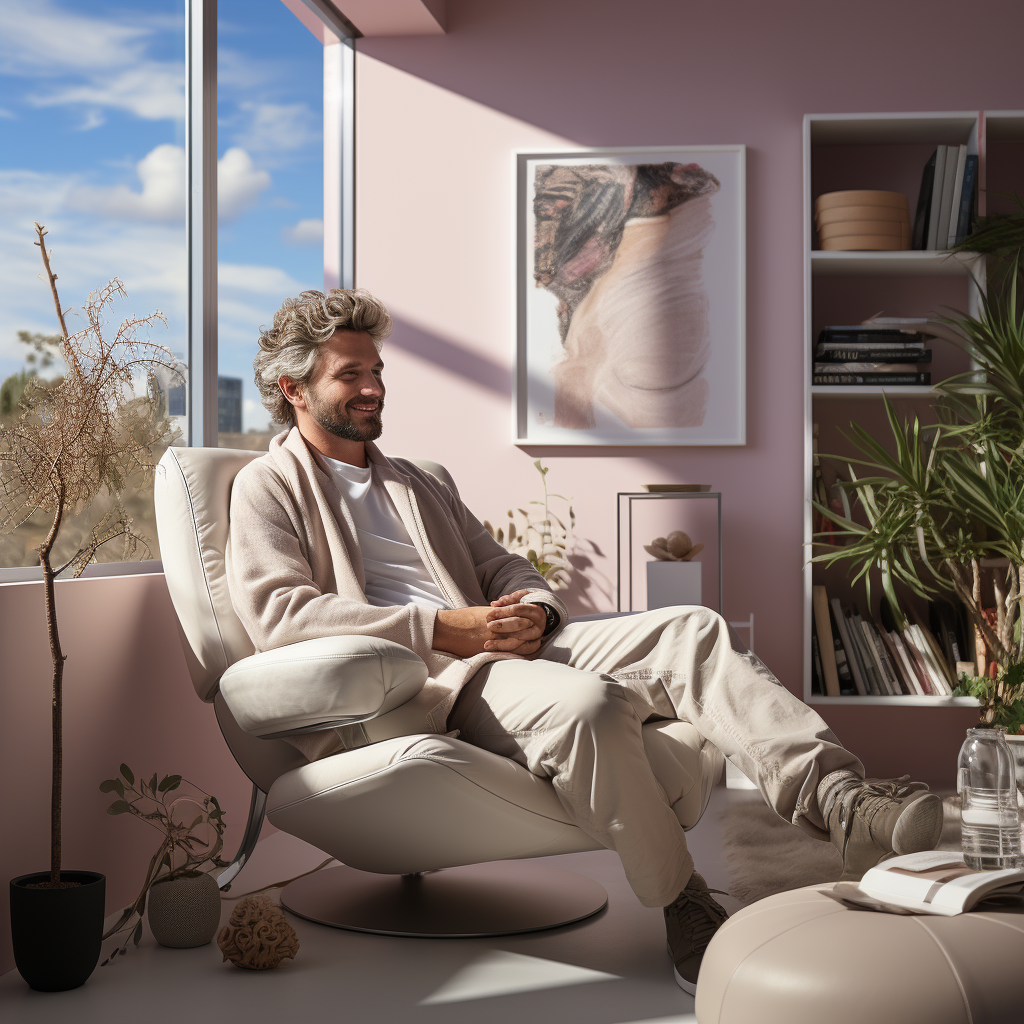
x,y
398,808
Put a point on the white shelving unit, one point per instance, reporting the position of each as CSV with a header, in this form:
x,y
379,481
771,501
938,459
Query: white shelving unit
x,y
974,128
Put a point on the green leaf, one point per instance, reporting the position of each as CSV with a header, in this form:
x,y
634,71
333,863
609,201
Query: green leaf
x,y
169,782
127,773
118,807
112,786
152,782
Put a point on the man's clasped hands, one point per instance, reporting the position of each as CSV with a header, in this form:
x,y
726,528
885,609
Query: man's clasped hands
x,y
504,625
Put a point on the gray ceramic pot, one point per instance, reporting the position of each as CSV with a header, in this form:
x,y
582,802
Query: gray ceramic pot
x,y
184,912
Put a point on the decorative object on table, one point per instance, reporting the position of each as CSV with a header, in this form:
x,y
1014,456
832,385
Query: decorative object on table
x,y
543,540
950,496
862,219
674,578
258,936
987,783
630,296
75,438
676,547
184,903
675,573
673,488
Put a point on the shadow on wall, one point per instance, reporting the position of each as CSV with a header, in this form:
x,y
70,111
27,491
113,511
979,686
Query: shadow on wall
x,y
453,357
591,591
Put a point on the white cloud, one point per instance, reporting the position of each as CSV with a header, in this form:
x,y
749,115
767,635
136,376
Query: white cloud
x,y
306,232
150,90
161,173
239,184
42,40
8,115
275,129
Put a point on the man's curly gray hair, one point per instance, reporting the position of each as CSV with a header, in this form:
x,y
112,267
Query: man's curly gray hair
x,y
291,346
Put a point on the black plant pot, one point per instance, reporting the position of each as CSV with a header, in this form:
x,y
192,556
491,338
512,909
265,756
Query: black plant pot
x,y
57,932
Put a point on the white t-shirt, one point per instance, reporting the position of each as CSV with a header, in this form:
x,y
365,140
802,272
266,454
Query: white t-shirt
x,y
395,573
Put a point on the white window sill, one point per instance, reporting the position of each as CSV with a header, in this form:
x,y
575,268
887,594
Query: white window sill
x,y
34,573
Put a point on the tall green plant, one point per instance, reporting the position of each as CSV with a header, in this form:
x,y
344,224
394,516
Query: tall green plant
x,y
953,493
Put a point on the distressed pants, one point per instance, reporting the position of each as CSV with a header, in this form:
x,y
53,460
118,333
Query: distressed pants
x,y
574,712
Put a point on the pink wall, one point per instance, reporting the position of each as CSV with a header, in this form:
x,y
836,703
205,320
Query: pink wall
x,y
437,121
127,697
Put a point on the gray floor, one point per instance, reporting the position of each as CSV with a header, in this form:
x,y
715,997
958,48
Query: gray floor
x,y
610,969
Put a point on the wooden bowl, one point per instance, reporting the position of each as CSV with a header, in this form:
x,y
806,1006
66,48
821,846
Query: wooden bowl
x,y
862,197
879,242
885,229
840,214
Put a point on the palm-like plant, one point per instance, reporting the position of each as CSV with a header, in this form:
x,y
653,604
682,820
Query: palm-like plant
x,y
952,494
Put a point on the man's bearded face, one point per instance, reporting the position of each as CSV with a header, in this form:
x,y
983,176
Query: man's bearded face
x,y
355,419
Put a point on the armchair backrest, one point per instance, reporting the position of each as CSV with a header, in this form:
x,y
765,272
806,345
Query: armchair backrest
x,y
192,494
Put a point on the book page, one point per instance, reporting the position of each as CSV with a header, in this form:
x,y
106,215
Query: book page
x,y
934,881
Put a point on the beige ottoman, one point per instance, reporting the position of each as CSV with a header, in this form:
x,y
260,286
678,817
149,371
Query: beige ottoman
x,y
800,957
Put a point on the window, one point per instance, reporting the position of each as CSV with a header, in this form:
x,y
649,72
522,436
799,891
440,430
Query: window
x,y
103,142
270,183
92,122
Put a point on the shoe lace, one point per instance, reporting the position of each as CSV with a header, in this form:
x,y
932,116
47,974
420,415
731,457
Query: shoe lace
x,y
699,916
867,797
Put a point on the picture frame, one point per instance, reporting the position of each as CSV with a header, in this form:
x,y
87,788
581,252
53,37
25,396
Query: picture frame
x,y
630,289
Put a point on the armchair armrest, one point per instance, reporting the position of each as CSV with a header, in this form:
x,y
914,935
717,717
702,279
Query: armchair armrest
x,y
320,684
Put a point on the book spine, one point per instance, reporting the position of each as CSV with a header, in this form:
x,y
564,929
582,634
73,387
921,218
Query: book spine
x,y
874,679
933,213
851,652
829,336
948,174
908,668
846,681
872,378
924,198
963,223
826,644
815,665
873,355
954,206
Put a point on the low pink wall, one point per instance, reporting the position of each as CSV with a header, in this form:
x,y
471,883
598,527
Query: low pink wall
x,y
438,120
127,697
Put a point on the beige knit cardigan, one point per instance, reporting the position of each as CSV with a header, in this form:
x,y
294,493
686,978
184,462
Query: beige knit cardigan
x,y
295,571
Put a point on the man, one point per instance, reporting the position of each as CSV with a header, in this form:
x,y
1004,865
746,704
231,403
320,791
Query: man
x,y
327,536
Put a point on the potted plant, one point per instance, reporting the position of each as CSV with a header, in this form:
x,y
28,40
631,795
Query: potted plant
x,y
950,500
184,901
84,433
544,540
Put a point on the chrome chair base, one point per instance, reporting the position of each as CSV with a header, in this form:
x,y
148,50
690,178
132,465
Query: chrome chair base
x,y
476,901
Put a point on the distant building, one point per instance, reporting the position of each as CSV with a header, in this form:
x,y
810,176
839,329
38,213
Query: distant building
x,y
229,405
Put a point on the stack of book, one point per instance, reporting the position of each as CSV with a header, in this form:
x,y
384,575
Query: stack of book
x,y
857,655
886,350
945,204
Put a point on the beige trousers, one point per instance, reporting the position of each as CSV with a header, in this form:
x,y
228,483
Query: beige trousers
x,y
573,714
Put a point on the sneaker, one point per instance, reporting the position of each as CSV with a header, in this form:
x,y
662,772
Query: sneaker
x,y
691,920
871,820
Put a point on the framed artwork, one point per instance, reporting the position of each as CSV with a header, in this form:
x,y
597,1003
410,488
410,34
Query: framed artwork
x,y
630,296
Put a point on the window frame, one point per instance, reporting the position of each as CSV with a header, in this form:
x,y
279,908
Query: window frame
x,y
337,35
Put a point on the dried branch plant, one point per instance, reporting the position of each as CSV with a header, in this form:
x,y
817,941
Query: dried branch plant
x,y
73,438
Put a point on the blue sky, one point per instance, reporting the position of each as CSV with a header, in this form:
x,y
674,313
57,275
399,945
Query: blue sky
x,y
91,146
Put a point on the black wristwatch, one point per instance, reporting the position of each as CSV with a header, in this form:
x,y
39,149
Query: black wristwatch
x,y
553,619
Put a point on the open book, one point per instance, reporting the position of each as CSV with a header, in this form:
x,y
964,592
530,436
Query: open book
x,y
931,882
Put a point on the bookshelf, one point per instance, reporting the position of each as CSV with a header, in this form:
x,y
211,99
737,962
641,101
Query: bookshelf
x,y
886,151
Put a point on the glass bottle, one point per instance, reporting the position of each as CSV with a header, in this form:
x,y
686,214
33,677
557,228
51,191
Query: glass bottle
x,y
987,784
